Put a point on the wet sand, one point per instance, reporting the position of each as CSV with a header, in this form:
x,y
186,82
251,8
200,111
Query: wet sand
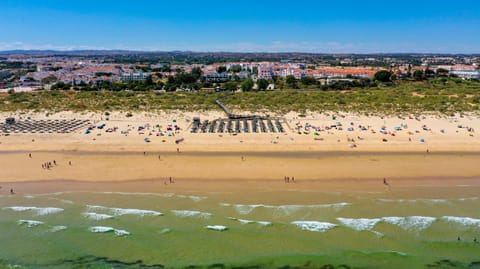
x,y
229,173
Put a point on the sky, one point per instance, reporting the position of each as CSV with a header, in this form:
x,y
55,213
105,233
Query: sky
x,y
420,26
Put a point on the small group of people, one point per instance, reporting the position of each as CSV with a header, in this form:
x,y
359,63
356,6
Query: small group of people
x,y
289,179
49,165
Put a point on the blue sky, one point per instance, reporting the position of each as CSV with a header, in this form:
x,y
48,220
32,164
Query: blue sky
x,y
276,26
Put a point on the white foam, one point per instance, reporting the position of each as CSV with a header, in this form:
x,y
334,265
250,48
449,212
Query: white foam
x,y
197,198
386,252
468,199
359,224
191,213
411,223
62,200
264,223
54,193
314,226
124,211
217,227
166,195
58,228
39,211
466,221
286,209
105,229
429,201
96,216
165,231
244,221
30,223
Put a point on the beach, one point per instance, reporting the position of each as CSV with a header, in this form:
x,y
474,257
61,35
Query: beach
x,y
333,184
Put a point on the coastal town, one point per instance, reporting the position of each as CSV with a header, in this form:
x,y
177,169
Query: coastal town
x,y
20,72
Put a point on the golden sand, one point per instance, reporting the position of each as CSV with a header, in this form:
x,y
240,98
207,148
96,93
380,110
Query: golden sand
x,y
211,162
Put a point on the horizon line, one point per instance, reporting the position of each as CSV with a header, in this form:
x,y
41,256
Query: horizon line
x,y
234,52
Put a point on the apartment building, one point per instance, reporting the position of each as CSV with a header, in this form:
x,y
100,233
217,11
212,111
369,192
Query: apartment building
x,y
134,76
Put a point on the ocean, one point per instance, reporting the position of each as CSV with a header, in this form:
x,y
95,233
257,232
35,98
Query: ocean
x,y
429,228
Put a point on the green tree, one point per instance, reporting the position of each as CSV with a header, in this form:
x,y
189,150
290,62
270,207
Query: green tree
x,y
418,75
442,72
429,73
308,81
221,69
230,85
262,84
236,69
49,79
197,73
166,68
247,85
149,81
291,82
383,76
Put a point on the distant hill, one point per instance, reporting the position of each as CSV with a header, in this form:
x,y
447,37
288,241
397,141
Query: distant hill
x,y
132,52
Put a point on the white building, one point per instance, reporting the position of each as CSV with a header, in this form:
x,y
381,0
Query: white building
x,y
265,72
137,76
466,74
216,77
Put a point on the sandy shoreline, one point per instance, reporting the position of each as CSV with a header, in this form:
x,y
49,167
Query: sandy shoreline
x,y
228,173
364,150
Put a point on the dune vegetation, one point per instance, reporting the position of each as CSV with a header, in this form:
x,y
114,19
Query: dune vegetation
x,y
435,95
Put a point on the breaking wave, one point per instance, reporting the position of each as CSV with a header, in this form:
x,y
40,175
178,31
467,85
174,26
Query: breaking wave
x,y
217,227
359,224
166,195
96,216
58,228
411,223
39,211
286,209
105,229
465,221
244,221
428,201
123,211
191,213
30,223
314,226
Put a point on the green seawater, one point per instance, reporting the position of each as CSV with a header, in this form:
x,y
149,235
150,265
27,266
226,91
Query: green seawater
x,y
362,230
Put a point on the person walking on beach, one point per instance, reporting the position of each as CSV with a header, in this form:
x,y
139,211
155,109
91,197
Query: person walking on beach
x,y
54,162
30,155
12,191
293,179
386,183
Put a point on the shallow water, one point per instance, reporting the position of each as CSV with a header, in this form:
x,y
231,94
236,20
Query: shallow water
x,y
264,229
